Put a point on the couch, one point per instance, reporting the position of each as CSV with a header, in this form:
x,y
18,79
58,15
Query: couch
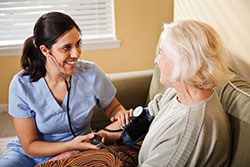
x,y
139,87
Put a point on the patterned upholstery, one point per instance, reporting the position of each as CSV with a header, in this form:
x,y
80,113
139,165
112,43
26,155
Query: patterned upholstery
x,y
96,158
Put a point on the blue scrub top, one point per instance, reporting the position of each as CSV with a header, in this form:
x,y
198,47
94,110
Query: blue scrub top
x,y
89,86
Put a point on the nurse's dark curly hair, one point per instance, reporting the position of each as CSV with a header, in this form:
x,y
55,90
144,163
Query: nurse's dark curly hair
x,y
48,28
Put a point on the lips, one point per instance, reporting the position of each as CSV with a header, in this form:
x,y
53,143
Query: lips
x,y
72,62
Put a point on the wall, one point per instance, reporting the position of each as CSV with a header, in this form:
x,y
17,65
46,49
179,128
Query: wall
x,y
138,25
231,20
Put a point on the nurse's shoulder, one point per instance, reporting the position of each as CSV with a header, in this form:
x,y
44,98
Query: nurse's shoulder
x,y
87,68
20,80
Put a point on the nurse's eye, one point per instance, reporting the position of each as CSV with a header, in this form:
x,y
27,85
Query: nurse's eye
x,y
79,43
66,48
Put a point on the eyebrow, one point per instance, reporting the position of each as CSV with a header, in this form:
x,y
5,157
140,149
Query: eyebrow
x,y
69,44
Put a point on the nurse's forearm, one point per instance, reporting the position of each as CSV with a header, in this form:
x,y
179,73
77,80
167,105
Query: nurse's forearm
x,y
38,149
45,149
113,108
110,137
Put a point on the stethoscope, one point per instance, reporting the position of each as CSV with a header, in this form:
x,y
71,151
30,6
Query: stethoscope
x,y
68,85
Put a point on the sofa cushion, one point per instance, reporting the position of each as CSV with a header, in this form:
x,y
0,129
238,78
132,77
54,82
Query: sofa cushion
x,y
235,98
155,86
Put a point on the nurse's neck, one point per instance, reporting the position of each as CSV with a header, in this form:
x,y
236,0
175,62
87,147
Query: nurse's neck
x,y
53,76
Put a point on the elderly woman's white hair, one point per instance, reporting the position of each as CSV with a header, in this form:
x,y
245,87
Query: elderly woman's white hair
x,y
197,53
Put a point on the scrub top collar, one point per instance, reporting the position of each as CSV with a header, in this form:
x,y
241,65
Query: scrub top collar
x,y
50,98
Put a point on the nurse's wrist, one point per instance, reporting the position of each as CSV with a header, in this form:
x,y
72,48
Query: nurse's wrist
x,y
68,146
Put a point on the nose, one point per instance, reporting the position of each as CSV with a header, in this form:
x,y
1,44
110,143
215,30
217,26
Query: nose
x,y
76,52
156,59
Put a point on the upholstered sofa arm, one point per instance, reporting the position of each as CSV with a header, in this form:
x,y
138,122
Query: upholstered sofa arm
x,y
132,90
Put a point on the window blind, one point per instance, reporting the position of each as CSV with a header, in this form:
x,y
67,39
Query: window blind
x,y
17,18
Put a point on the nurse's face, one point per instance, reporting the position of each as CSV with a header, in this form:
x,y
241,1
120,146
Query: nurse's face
x,y
67,50
165,65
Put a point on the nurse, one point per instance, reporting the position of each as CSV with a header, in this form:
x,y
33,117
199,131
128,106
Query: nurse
x,y
51,100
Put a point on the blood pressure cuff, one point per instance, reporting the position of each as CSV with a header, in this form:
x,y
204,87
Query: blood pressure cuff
x,y
138,127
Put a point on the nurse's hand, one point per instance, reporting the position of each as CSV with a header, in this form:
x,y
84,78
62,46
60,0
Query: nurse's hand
x,y
116,112
82,143
122,117
75,146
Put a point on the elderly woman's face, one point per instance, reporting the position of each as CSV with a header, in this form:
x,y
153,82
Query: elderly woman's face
x,y
165,65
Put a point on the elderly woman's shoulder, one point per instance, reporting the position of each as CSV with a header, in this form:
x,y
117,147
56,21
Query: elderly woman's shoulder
x,y
169,93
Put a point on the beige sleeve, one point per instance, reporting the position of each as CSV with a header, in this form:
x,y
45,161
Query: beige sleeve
x,y
155,105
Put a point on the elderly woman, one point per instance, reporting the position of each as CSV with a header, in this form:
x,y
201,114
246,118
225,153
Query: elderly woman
x,y
190,127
